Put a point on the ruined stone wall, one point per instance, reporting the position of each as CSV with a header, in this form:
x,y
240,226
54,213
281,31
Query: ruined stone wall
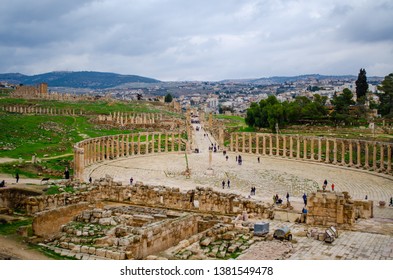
x,y
15,198
48,223
368,155
335,208
203,200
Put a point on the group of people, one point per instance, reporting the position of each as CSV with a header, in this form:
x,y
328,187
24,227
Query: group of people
x,y
228,183
239,159
253,190
324,186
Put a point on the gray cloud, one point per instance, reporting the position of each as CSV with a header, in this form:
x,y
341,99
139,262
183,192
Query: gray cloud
x,y
197,40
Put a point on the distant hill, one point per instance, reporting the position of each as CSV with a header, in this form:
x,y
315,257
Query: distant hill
x,y
282,79
80,79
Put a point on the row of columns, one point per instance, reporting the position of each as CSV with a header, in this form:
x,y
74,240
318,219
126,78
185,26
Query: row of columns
x,y
375,156
39,110
124,119
99,149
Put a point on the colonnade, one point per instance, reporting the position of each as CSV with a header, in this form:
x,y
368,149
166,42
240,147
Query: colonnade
x,y
369,155
130,118
93,150
40,110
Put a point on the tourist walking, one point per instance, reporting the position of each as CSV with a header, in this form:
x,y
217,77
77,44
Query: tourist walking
x,y
333,187
259,160
67,174
391,201
305,198
17,177
223,184
287,197
226,157
229,184
131,180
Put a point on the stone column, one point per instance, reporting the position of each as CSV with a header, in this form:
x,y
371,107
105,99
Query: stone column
x,y
343,153
128,145
221,137
231,142
335,151
237,142
366,159
375,157
319,149
277,145
103,145
298,147
244,142
152,143
257,143
173,142
147,141
159,142
327,151
270,145
117,146
359,158
166,142
250,143
179,142
350,153
304,148
284,146
382,158
290,147
139,143
264,144
389,167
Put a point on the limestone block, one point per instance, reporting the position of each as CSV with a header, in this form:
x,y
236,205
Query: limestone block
x,y
76,249
92,250
101,252
84,249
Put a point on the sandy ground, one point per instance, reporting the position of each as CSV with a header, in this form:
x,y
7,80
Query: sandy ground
x,y
16,250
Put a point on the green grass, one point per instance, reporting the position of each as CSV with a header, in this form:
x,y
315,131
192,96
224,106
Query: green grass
x,y
11,228
56,190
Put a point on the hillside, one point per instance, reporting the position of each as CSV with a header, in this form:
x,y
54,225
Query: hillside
x,y
81,79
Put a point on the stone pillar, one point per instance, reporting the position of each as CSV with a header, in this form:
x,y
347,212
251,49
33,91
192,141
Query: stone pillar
x,y
237,142
335,151
284,146
166,142
319,149
179,142
277,145
221,137
139,143
257,143
244,142
304,148
270,145
128,145
132,137
382,158
350,153
298,147
343,153
159,142
359,158
389,167
375,157
231,142
173,143
153,142
250,143
123,146
103,145
366,159
117,146
290,147
264,144
327,151
147,141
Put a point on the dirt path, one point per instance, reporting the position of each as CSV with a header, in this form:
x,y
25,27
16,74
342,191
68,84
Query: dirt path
x,y
12,249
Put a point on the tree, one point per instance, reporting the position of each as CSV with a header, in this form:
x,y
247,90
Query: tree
x,y
168,98
386,96
361,87
341,106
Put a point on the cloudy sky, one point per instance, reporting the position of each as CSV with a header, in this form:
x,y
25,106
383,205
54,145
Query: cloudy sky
x,y
173,40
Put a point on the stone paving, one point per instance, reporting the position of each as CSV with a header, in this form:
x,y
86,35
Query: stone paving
x,y
271,176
